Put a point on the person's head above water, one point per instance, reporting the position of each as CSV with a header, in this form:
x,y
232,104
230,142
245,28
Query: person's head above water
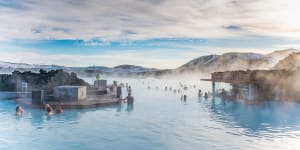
x,y
49,109
18,108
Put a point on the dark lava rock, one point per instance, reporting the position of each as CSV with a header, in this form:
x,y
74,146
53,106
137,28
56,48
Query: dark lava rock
x,y
39,81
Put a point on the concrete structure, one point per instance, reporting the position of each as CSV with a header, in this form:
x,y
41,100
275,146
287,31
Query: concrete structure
x,y
70,93
101,85
119,91
15,95
258,85
37,97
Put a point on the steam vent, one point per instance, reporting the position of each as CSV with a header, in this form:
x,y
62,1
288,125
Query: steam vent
x,y
256,85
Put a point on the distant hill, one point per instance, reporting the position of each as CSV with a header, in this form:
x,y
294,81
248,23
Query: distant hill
x,y
234,61
276,56
292,62
20,65
9,67
132,68
227,61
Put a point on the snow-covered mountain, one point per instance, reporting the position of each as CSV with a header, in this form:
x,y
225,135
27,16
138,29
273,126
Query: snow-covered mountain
x,y
227,61
116,69
14,65
276,56
8,67
235,61
291,62
5,65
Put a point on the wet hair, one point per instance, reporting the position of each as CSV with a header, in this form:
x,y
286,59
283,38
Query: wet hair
x,y
18,108
49,109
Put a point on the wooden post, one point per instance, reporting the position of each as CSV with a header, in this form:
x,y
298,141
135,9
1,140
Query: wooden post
x,y
213,89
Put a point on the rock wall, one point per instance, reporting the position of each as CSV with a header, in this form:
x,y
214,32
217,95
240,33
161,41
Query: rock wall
x,y
39,81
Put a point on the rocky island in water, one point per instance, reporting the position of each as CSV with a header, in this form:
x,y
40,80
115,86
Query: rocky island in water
x,y
58,87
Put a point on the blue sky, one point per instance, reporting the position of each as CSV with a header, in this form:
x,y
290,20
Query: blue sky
x,y
153,33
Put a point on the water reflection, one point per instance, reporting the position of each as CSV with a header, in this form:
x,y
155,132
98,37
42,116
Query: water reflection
x,y
119,107
40,120
158,120
130,107
269,116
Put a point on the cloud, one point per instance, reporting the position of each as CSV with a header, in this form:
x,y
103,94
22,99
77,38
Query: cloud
x,y
146,19
232,27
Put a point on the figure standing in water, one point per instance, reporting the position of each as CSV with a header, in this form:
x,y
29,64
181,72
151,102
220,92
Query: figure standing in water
x,y
199,93
19,110
129,89
206,95
126,85
129,99
184,97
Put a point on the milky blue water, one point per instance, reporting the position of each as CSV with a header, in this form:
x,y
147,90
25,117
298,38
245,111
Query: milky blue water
x,y
158,120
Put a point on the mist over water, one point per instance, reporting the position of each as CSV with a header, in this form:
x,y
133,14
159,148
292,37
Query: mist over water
x,y
158,120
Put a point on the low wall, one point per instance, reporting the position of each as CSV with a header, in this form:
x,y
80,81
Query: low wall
x,y
14,95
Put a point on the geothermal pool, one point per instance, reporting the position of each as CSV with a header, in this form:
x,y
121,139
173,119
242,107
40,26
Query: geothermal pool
x,y
158,120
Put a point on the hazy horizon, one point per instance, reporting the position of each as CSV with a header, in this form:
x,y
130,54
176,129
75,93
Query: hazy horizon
x,y
99,65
